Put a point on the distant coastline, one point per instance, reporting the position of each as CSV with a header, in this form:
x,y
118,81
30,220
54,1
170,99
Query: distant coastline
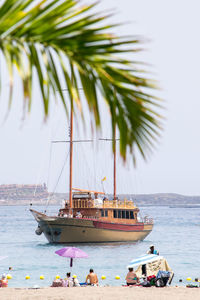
x,y
14,194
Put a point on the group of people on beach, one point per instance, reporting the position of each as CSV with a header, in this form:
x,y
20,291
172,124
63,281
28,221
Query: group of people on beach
x,y
72,281
91,279
131,277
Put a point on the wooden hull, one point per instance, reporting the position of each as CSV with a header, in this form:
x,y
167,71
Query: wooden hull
x,y
74,230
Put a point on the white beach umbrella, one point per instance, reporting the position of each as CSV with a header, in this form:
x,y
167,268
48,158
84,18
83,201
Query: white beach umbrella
x,y
144,259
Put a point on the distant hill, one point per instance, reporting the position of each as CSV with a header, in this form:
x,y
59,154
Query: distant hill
x,y
13,194
164,199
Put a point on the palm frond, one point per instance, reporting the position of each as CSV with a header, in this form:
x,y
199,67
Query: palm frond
x,y
49,36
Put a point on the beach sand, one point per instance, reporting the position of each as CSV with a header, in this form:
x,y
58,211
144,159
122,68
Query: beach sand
x,y
104,293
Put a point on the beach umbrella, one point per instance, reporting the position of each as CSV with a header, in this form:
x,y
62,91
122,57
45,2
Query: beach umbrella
x,y
71,252
144,259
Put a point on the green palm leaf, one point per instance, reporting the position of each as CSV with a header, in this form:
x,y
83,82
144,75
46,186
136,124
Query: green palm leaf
x,y
59,39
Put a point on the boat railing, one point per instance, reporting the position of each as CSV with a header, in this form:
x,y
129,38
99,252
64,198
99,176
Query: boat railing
x,y
83,203
91,203
118,204
90,218
148,220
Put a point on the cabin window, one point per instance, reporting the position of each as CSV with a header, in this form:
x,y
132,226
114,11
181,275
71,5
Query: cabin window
x,y
123,214
119,214
104,213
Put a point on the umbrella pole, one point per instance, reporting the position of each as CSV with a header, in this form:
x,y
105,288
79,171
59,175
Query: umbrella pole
x,y
71,262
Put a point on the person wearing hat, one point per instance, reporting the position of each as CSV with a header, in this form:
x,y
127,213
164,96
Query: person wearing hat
x,y
152,250
3,281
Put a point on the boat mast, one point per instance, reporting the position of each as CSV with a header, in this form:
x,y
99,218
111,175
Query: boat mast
x,y
114,169
114,140
71,158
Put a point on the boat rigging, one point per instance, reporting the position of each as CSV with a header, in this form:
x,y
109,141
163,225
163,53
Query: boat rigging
x,y
87,217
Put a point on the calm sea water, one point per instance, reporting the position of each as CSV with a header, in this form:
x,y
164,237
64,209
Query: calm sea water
x,y
175,235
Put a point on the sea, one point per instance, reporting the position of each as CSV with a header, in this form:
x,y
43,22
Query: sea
x,y
175,235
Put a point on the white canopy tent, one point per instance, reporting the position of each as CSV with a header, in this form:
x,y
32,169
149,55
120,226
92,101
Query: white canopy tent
x,y
153,264
144,259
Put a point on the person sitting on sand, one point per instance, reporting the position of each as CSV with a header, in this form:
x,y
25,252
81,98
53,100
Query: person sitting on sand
x,y
69,281
131,277
75,281
3,281
58,282
92,278
152,250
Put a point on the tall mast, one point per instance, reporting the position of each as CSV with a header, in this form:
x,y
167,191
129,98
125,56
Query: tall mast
x,y
114,162
114,174
71,158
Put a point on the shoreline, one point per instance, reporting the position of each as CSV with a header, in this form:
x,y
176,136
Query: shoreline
x,y
93,293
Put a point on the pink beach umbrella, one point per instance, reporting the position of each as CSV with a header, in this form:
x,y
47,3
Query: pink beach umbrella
x,y
71,252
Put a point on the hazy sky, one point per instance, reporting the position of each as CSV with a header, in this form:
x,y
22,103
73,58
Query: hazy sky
x,y
173,28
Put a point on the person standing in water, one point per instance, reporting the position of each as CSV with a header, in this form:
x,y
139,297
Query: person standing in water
x,y
152,250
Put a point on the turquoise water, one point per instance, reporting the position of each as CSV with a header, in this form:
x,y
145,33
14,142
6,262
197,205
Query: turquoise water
x,y
175,235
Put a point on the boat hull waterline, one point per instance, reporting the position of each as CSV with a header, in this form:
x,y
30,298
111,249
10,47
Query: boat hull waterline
x,y
79,230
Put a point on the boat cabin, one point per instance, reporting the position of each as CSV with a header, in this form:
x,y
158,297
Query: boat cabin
x,y
86,204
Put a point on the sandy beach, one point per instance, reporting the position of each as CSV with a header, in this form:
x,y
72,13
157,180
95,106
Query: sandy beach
x,y
139,293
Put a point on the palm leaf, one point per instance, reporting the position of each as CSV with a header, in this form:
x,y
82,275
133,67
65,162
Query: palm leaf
x,y
47,37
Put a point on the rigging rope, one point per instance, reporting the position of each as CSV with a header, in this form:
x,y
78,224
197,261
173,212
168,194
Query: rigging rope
x,y
39,175
49,197
88,174
49,166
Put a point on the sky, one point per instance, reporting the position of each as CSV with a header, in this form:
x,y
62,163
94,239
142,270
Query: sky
x,y
173,49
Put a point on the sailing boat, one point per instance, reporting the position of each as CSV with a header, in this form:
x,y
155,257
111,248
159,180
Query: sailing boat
x,y
89,216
